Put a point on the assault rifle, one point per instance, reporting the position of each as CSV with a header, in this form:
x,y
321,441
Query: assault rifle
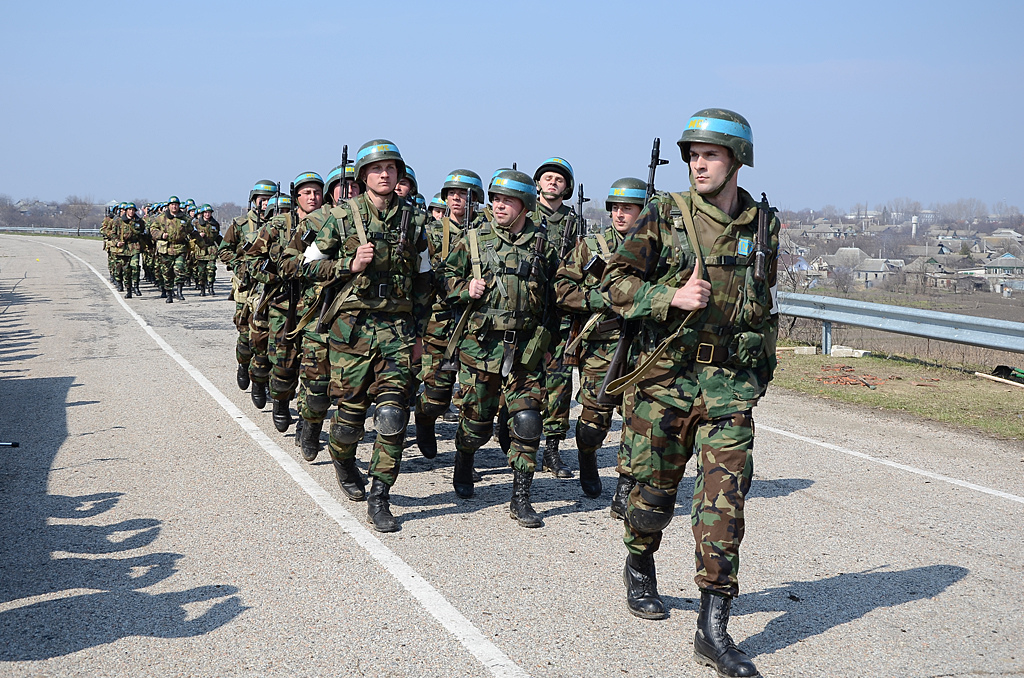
x,y
449,363
762,248
293,285
571,358
628,328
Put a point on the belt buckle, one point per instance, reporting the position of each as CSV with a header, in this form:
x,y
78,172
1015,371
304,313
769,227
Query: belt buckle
x,y
510,337
705,354
382,290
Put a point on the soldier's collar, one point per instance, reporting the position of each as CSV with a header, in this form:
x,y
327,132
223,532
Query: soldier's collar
x,y
748,208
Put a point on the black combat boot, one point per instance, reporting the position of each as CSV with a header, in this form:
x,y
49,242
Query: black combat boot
x,y
378,507
310,439
712,645
350,479
462,477
621,499
426,439
181,291
642,587
120,286
242,377
128,295
212,293
590,479
258,394
138,292
297,438
520,508
451,416
163,293
282,415
170,296
553,460
202,290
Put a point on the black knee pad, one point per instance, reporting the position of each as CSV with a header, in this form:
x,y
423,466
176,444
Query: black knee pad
x,y
589,436
527,425
347,429
281,386
243,354
391,417
317,399
434,401
473,434
650,509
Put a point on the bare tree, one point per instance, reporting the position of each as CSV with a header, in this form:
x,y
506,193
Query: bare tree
x,y
78,208
842,279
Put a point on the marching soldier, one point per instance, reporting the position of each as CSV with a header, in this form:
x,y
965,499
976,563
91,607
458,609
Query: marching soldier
x,y
372,249
578,290
171,228
127,233
698,268
406,187
500,272
462,189
206,237
555,182
239,236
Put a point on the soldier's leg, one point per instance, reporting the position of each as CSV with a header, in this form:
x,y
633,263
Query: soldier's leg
x,y
167,274
480,393
314,401
626,481
135,264
243,353
180,274
435,398
121,272
557,403
284,371
259,366
595,420
725,466
351,376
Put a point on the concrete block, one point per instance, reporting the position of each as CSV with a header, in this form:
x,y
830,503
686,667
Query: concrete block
x,y
847,352
806,350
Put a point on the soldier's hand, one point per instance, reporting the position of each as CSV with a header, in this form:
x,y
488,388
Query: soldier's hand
x,y
477,286
693,295
363,257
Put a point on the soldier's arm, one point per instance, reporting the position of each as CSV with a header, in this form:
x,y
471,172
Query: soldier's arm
x,y
422,286
328,258
627,281
457,272
226,250
571,291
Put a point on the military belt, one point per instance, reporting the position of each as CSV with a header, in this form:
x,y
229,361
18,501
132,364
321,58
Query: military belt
x,y
444,315
709,354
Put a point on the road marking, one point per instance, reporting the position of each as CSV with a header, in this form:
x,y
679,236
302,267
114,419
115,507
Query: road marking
x,y
496,661
893,464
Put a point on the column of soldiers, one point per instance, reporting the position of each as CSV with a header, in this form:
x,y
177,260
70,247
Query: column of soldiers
x,y
353,291
171,245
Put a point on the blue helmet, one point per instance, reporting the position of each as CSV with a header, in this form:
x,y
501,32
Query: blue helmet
x,y
560,165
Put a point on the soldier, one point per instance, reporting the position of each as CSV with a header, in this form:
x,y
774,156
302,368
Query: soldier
x,y
501,273
283,293
107,232
127,233
336,190
700,273
172,229
406,187
239,236
554,180
148,252
206,239
436,207
461,191
578,290
373,247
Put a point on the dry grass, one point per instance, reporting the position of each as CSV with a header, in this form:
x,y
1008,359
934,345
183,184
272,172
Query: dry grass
x,y
950,396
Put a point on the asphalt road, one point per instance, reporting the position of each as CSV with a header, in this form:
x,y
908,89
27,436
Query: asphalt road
x,y
154,523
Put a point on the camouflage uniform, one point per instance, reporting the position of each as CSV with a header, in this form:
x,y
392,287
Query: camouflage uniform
x,y
205,243
106,231
371,339
174,232
127,233
513,307
700,393
240,234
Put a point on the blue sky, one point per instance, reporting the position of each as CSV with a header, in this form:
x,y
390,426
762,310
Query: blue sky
x,y
849,102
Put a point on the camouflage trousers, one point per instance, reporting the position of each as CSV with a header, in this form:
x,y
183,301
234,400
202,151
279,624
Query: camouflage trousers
x,y
315,377
437,383
149,264
381,369
243,353
283,354
557,380
259,340
126,269
172,269
660,440
482,393
205,271
111,263
594,360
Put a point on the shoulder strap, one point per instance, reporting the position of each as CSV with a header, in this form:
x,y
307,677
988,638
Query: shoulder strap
x,y
605,250
445,235
474,252
357,218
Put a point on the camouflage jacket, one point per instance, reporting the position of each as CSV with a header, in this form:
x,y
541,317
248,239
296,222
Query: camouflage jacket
x,y
263,257
239,236
727,351
442,318
172,230
289,266
397,282
519,295
126,235
578,291
205,239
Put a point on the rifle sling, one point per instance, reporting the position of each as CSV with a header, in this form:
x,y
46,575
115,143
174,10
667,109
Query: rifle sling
x,y
460,327
619,385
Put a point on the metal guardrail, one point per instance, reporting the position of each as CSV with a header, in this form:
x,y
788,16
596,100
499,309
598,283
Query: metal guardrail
x,y
1001,335
40,229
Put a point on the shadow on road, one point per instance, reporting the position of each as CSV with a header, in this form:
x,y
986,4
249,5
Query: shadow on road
x,y
70,578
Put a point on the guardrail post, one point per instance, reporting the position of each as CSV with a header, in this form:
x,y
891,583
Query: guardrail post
x,y
826,337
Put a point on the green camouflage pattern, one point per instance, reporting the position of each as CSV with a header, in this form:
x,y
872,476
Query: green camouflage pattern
x,y
237,238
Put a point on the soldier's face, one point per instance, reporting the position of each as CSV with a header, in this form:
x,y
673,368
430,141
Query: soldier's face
x,y
404,188
710,165
506,209
624,216
353,189
130,212
551,185
261,201
310,197
381,177
436,212
174,208
207,215
456,199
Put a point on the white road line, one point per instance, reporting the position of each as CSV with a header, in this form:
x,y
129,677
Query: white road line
x,y
893,464
496,661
